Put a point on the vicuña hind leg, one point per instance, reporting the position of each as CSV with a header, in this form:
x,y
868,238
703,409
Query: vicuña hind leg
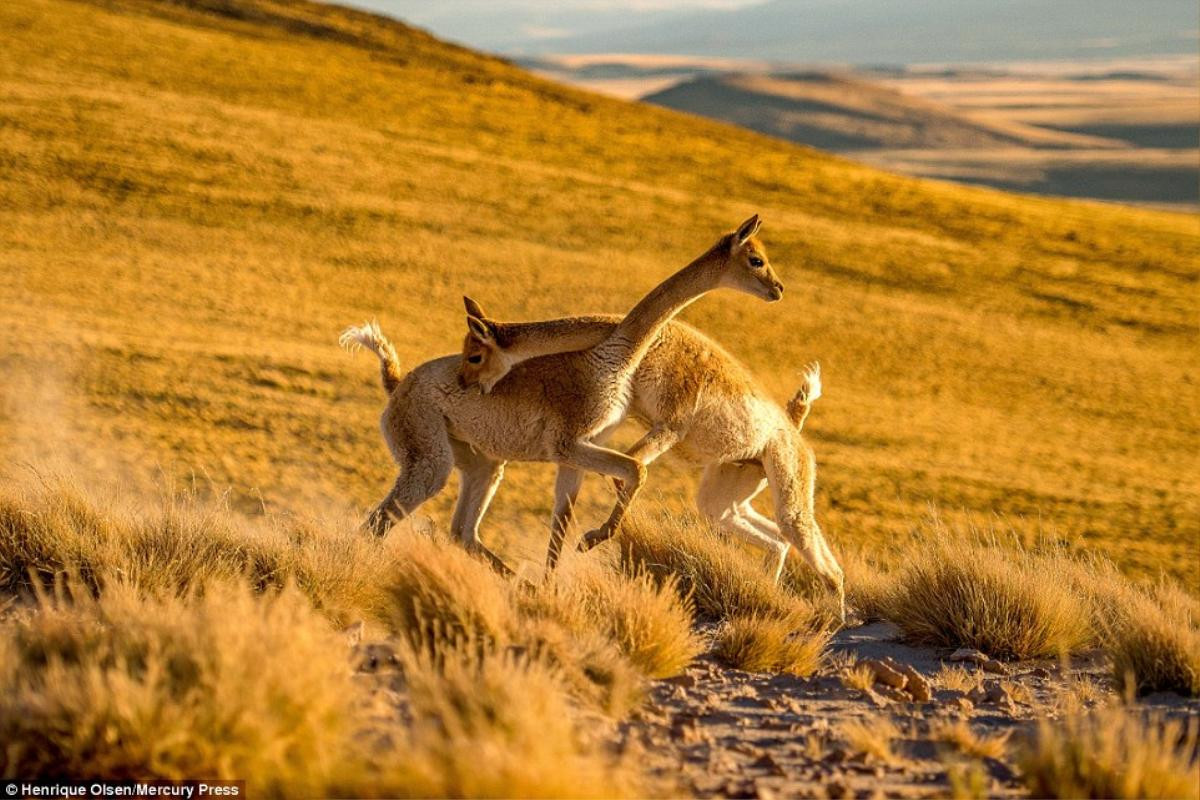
x,y
418,481
479,477
725,492
791,473
629,471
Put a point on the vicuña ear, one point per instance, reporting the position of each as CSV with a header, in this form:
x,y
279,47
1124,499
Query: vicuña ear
x,y
473,308
478,328
746,230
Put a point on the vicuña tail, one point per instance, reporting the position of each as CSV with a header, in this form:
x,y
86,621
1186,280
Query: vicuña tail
x,y
806,395
369,336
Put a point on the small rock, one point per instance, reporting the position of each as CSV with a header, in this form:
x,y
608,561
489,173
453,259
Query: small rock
x,y
686,680
916,684
1040,672
767,761
893,694
836,790
764,792
885,674
995,667
997,695
968,654
977,695
835,756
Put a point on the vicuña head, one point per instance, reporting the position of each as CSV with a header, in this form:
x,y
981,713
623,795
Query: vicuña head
x,y
737,261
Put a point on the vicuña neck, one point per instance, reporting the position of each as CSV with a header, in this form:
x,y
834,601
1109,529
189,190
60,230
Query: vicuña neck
x,y
639,327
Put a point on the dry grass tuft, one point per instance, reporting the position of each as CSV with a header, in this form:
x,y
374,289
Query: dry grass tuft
x,y
649,619
871,736
770,644
1113,753
858,676
225,684
958,678
441,593
54,528
1154,641
720,578
1007,601
499,726
958,735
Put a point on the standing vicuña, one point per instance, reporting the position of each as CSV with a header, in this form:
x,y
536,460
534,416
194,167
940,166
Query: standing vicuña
x,y
698,399
549,408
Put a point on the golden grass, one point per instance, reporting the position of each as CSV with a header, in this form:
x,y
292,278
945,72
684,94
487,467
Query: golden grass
x,y
230,667
1154,641
957,678
770,644
648,619
223,684
722,580
958,735
499,726
873,736
1009,602
1114,753
179,541
857,676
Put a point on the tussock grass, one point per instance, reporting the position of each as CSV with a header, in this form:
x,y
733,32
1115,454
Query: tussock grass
x,y
439,593
1112,753
223,683
1154,640
54,528
649,619
499,726
232,666
1009,602
770,644
722,580
766,627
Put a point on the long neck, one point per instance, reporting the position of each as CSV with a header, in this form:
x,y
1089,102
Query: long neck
x,y
634,334
523,340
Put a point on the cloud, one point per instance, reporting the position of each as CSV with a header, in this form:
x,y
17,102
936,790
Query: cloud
x,y
544,32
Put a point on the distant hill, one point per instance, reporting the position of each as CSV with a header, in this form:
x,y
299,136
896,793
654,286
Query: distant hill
x,y
887,31
837,112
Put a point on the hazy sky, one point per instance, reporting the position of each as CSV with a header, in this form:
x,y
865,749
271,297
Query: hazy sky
x,y
508,25
814,31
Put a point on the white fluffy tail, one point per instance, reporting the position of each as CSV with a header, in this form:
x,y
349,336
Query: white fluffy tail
x,y
369,335
806,395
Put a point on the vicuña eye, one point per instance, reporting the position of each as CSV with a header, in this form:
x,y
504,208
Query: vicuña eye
x,y
756,262
474,359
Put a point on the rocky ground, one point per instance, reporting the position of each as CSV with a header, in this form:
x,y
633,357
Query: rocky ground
x,y
718,732
878,720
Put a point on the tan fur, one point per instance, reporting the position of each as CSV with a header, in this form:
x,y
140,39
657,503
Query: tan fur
x,y
698,400
549,408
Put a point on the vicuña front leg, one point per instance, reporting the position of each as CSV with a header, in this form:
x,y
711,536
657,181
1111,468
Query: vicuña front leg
x,y
566,491
630,473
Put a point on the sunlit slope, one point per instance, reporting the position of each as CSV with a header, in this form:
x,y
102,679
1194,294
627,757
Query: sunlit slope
x,y
196,198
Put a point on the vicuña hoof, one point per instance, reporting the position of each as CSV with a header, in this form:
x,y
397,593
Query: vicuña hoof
x,y
593,538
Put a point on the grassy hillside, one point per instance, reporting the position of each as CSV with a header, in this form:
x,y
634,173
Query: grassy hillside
x,y
195,197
